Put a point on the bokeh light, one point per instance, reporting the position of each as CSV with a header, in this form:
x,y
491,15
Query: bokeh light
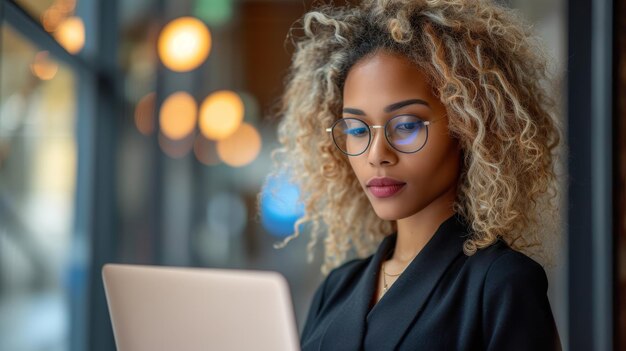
x,y
206,151
56,13
176,148
51,19
214,12
43,67
221,114
177,117
184,44
241,148
71,34
144,114
280,207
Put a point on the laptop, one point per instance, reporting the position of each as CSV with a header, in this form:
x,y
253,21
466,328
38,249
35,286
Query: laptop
x,y
173,308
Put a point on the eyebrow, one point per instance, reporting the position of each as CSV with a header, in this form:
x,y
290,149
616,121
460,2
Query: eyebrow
x,y
390,108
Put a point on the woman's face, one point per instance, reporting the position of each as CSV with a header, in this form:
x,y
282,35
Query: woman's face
x,y
372,85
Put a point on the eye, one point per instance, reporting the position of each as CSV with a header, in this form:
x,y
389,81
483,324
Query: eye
x,y
409,127
359,131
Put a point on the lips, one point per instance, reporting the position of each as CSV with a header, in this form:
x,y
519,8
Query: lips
x,y
384,181
384,187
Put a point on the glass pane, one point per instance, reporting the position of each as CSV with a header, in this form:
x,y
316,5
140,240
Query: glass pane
x,y
37,182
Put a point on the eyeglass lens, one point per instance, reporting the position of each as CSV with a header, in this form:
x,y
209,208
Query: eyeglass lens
x,y
405,133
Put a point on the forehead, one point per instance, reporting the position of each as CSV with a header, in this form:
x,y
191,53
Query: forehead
x,y
384,78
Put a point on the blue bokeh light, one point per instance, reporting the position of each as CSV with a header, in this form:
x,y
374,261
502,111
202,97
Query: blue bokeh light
x,y
280,208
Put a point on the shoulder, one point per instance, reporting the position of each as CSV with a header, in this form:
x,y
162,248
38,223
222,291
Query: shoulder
x,y
516,312
514,266
499,261
506,272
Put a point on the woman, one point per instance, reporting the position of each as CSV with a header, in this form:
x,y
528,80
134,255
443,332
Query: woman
x,y
421,135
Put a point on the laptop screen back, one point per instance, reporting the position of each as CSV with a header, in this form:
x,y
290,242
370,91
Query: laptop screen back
x,y
170,308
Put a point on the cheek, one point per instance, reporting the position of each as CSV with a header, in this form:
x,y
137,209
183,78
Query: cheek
x,y
356,166
436,165
419,172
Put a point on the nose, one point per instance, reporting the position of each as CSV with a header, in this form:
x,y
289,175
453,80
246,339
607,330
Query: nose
x,y
380,153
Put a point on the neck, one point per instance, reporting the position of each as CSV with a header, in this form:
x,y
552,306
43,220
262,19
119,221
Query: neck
x,y
414,232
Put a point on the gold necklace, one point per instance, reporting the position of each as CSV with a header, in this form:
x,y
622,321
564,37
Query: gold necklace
x,y
385,286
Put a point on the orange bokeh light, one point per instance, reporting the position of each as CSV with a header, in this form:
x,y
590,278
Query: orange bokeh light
x,y
56,13
71,34
205,151
144,114
176,148
221,113
51,19
184,44
177,115
241,148
42,67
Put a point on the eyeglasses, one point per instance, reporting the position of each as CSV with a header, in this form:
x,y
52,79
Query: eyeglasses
x,y
405,133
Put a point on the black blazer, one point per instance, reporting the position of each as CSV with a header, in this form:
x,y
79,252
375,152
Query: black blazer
x,y
444,300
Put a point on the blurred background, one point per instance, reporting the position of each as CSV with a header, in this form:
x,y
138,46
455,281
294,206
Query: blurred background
x,y
140,131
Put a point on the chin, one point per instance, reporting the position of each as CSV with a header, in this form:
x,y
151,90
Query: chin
x,y
389,213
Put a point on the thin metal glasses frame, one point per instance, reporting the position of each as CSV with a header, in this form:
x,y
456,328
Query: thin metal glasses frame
x,y
384,127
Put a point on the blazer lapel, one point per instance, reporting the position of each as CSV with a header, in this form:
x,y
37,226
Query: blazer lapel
x,y
346,331
405,299
387,321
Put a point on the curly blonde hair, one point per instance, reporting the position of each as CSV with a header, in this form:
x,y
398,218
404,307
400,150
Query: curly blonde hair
x,y
489,71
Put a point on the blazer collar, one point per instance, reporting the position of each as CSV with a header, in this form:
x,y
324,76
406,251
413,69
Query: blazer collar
x,y
405,298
